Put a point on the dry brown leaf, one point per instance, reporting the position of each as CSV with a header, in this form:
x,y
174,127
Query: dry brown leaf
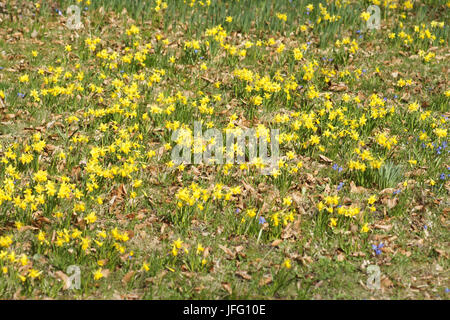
x,y
105,273
325,159
127,277
227,287
244,275
227,251
355,189
276,242
390,202
338,87
64,278
383,227
386,283
265,280
387,191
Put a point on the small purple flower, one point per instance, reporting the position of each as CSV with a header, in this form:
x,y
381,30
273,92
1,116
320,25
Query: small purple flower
x,y
21,95
238,210
262,220
340,169
425,227
341,184
378,248
397,191
447,290
442,176
335,166
195,50
395,96
58,12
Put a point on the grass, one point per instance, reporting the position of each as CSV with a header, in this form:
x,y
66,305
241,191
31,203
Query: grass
x,y
86,142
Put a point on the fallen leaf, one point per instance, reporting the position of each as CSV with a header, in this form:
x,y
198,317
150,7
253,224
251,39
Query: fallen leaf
x,y
386,283
338,87
276,242
355,189
244,275
127,277
325,159
227,287
265,280
64,278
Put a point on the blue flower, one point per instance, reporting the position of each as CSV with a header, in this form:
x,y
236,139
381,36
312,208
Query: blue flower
x,y
442,176
262,220
335,166
238,210
341,184
378,248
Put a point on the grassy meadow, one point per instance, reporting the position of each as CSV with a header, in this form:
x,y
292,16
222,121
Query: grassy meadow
x,y
93,206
